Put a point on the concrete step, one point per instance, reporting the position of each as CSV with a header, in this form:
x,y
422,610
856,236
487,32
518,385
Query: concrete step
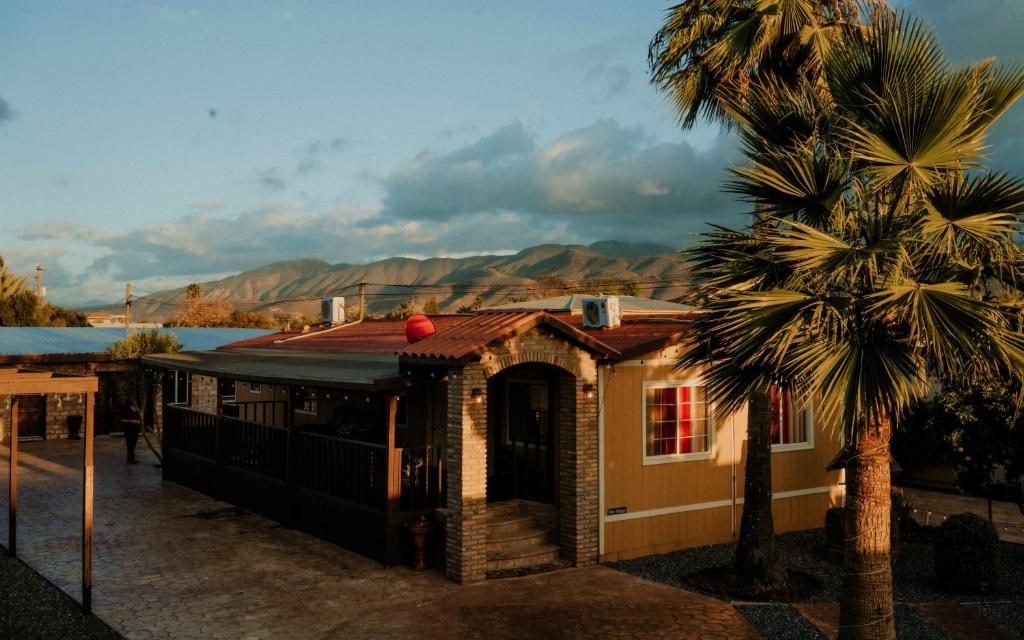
x,y
534,536
522,557
504,525
497,510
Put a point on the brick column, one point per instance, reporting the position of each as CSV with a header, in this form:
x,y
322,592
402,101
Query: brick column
x,y
204,393
578,467
466,461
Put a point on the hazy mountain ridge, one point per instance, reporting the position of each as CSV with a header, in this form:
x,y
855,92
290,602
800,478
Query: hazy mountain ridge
x,y
273,288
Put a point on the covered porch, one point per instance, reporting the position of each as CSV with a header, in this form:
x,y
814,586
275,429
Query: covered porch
x,y
325,445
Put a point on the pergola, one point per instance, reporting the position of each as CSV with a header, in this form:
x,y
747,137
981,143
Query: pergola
x,y
19,382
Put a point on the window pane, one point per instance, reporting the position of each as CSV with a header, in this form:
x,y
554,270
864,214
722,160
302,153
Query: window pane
x,y
678,421
661,408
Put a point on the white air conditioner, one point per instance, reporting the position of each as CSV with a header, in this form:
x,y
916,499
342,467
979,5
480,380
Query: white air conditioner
x,y
601,312
332,310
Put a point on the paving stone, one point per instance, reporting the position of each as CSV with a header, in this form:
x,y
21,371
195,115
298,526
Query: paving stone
x,y
161,573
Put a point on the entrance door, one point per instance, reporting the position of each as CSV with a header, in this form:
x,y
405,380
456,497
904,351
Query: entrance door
x,y
31,417
524,447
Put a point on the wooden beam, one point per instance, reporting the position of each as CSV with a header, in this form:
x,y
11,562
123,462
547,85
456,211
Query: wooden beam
x,y
39,386
12,505
89,402
394,481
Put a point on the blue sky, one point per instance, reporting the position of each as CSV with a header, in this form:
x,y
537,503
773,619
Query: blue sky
x,y
173,142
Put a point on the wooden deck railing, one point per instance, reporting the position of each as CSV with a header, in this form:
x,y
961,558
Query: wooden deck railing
x,y
346,469
374,478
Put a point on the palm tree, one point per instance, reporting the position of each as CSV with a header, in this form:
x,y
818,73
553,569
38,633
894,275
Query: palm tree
x,y
10,284
707,46
882,239
706,57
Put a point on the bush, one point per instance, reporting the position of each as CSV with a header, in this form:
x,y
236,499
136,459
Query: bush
x,y
966,550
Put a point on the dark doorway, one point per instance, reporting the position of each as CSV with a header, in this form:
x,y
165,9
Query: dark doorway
x,y
523,443
31,417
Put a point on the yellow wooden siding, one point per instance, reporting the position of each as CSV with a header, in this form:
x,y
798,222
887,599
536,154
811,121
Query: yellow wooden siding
x,y
629,483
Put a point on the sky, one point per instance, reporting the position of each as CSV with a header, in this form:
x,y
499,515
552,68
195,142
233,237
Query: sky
x,y
176,142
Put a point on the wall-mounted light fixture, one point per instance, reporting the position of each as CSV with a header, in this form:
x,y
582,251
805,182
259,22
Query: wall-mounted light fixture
x,y
477,394
588,389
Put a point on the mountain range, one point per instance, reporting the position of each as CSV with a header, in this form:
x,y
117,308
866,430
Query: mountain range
x,y
294,286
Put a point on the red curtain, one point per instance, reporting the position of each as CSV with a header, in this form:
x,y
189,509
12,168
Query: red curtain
x,y
685,428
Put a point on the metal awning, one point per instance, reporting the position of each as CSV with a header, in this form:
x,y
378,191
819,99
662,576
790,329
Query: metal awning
x,y
350,370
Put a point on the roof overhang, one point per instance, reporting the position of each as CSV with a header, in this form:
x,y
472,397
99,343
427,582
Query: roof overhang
x,y
276,366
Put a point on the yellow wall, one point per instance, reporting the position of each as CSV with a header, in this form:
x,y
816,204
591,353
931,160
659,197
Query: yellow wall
x,y
665,488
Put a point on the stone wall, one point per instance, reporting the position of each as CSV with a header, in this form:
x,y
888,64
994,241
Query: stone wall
x,y
203,394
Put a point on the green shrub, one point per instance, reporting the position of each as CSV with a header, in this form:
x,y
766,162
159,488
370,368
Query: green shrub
x,y
966,550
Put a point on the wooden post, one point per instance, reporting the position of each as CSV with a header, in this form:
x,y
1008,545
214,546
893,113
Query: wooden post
x,y
362,301
291,461
394,503
88,399
12,513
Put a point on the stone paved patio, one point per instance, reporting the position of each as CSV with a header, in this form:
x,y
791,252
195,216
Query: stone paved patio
x,y
173,563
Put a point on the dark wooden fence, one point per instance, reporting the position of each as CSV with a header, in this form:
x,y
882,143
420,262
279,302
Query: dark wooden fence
x,y
349,492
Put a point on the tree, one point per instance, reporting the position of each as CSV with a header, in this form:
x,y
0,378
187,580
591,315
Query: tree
x,y
476,305
709,48
250,320
880,250
431,308
10,284
707,54
195,311
137,385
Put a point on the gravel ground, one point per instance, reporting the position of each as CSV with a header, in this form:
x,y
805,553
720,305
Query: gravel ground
x,y
804,551
779,622
1006,614
31,608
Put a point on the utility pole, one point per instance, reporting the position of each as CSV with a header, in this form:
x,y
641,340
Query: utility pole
x,y
127,305
40,289
362,300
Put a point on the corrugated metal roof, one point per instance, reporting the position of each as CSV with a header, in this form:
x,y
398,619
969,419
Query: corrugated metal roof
x,y
38,341
368,336
471,336
574,304
638,334
274,365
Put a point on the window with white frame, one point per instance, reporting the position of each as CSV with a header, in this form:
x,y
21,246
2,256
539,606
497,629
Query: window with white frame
x,y
677,421
255,387
792,424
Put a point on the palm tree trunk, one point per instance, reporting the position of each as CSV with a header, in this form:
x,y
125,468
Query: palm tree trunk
x,y
866,606
755,550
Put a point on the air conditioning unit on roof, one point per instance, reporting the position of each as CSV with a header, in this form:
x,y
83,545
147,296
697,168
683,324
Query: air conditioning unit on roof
x,y
332,310
601,312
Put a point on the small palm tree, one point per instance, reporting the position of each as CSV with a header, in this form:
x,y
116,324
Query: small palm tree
x,y
873,266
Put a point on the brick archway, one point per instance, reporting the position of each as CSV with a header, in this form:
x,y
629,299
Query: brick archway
x,y
466,451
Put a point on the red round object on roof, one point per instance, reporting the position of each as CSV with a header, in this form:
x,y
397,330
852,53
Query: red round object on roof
x,y
418,327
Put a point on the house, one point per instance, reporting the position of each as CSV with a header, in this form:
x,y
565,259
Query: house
x,y
540,432
80,350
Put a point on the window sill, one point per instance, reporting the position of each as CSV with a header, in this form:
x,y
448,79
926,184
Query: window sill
x,y
797,446
305,413
684,457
